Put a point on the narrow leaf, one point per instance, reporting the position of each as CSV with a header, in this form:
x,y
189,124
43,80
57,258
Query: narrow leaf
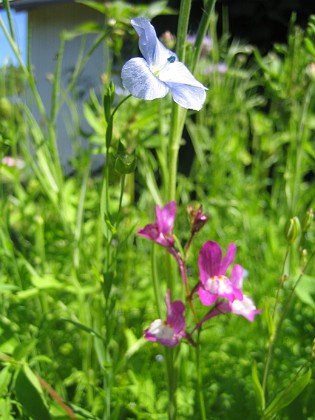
x,y
83,328
259,393
30,394
289,394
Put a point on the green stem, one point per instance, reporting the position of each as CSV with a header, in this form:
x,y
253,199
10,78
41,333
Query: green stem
x,y
202,31
282,278
28,74
171,372
177,125
178,113
79,219
122,189
182,29
156,283
119,105
8,13
199,381
273,339
299,148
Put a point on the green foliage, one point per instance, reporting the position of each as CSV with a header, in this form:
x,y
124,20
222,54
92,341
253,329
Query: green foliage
x,y
30,394
75,279
287,395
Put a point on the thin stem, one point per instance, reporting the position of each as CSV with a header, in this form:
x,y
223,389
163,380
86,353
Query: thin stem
x,y
28,75
177,125
122,188
8,13
280,322
155,279
172,373
286,258
199,381
202,31
119,105
299,148
182,29
183,271
178,113
79,219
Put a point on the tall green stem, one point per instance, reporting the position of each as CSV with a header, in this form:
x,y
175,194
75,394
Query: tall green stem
x,y
199,381
178,113
177,124
275,336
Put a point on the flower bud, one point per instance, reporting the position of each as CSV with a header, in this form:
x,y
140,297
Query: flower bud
x,y
197,218
307,221
292,229
108,101
126,163
168,39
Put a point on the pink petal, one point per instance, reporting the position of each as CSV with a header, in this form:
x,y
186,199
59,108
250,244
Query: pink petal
x,y
206,298
228,291
209,260
165,217
245,308
149,231
237,275
175,315
228,259
149,336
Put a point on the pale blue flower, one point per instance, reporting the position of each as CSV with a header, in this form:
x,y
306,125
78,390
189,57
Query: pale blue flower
x,y
159,71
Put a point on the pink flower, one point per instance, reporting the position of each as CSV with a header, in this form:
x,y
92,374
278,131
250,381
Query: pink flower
x,y
213,281
161,231
169,332
13,162
244,307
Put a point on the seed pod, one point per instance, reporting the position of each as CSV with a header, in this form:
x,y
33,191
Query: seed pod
x,y
293,229
126,163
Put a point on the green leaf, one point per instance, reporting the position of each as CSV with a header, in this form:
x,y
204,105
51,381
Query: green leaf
x,y
5,409
288,394
134,344
23,350
26,294
259,393
5,378
46,282
305,290
30,394
83,328
309,46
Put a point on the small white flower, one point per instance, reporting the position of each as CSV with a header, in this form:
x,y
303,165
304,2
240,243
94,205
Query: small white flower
x,y
159,71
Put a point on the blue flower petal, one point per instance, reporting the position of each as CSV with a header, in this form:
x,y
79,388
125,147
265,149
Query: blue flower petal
x,y
189,97
185,89
140,81
151,48
178,73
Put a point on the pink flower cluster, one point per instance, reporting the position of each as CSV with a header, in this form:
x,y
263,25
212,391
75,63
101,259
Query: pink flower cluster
x,y
217,290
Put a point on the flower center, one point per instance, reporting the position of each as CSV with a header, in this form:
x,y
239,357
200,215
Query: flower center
x,y
157,69
214,278
161,330
212,283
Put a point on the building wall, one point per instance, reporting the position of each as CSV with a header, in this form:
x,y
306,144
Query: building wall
x,y
46,24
